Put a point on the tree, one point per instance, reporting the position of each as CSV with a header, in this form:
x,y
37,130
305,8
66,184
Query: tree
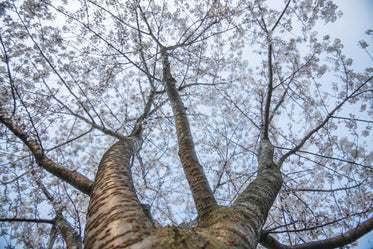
x,y
215,124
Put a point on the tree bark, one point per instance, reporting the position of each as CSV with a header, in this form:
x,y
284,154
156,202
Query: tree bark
x,y
115,218
202,194
72,239
257,199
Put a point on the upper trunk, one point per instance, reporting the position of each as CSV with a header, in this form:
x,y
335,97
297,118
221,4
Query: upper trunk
x,y
202,194
257,199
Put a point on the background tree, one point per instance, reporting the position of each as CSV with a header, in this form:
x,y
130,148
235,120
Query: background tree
x,y
230,150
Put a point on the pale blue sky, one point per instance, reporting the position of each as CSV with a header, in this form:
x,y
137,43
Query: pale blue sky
x,y
357,18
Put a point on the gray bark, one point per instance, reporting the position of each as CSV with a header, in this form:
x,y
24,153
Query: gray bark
x,y
115,217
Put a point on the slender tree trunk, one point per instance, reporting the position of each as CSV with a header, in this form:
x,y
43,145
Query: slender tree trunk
x,y
199,185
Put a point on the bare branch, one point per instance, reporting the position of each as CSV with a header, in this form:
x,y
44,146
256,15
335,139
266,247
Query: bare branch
x,y
27,220
73,178
270,242
321,125
282,14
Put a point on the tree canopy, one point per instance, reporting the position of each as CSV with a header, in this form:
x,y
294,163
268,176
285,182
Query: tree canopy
x,y
201,82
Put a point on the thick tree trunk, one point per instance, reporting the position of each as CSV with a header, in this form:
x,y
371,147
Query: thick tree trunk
x,y
115,217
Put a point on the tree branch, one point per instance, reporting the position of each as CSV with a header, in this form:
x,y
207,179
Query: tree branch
x,y
99,36
326,157
73,178
114,190
27,220
269,91
326,119
11,81
118,18
282,14
91,123
257,199
270,242
54,69
149,27
70,236
202,194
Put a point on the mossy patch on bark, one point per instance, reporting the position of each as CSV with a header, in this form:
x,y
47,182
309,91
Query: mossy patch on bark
x,y
180,238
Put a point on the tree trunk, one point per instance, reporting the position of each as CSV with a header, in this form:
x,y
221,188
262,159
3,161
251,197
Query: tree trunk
x,y
116,218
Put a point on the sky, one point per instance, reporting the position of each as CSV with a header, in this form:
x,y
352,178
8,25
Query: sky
x,y
357,18
350,28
